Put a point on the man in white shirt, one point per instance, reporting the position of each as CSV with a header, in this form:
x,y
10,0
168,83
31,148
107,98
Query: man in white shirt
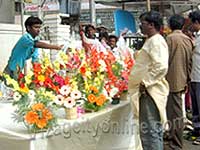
x,y
148,75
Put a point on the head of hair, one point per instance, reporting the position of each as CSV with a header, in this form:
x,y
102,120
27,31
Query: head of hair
x,y
88,32
113,37
195,16
152,17
31,21
176,22
103,35
89,26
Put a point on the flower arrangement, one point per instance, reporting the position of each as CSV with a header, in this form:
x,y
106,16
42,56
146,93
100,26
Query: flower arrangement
x,y
73,79
33,105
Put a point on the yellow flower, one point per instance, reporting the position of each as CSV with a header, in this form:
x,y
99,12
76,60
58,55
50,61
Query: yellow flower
x,y
63,56
1,94
88,74
28,77
56,65
41,78
97,81
87,86
74,84
24,89
50,95
12,82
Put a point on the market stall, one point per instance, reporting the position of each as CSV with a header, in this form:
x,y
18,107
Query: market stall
x,y
111,128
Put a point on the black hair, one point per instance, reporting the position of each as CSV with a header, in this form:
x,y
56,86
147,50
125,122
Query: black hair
x,y
87,29
152,17
195,16
113,37
176,22
31,21
103,35
89,26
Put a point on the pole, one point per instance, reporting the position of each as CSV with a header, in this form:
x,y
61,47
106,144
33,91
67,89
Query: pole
x,y
92,12
148,5
39,8
22,26
22,16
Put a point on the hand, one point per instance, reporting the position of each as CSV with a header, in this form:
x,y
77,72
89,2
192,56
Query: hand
x,y
80,27
59,47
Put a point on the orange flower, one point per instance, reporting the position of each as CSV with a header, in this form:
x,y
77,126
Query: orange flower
x,y
31,117
100,100
92,98
49,71
47,114
41,123
67,80
102,96
94,89
37,107
37,67
83,70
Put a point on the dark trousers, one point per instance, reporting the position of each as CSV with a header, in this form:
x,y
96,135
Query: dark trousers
x,y
151,132
195,96
175,121
13,74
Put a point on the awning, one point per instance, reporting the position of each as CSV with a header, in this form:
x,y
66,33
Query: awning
x,y
178,6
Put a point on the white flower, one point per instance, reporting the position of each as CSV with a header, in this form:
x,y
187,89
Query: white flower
x,y
104,92
76,94
65,90
69,102
103,65
59,100
113,92
31,95
16,96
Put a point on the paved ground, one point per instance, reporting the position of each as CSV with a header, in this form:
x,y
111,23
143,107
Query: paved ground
x,y
189,146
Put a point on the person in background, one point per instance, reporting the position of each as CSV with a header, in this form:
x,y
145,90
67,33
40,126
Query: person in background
x,y
90,31
148,87
103,38
27,47
178,76
89,40
195,76
112,41
187,30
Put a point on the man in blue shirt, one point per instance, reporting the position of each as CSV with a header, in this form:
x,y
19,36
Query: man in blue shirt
x,y
27,47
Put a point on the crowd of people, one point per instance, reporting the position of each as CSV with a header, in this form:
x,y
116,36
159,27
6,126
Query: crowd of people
x,y
165,69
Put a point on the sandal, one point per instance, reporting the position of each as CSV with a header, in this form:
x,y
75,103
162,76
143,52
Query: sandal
x,y
197,141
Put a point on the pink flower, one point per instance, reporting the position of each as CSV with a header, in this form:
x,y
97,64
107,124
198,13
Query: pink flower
x,y
59,80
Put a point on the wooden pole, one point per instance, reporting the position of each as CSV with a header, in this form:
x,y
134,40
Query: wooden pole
x,y
148,5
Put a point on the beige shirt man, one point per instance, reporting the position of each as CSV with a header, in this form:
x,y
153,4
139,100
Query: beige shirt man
x,y
150,68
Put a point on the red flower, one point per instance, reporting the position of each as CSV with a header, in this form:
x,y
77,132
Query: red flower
x,y
83,70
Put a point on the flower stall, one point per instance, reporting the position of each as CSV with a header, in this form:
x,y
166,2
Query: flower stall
x,y
75,81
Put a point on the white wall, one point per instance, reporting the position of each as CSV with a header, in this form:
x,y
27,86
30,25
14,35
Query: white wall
x,y
7,11
9,34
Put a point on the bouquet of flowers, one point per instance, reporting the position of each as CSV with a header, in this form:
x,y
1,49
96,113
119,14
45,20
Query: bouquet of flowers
x,y
33,105
74,78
